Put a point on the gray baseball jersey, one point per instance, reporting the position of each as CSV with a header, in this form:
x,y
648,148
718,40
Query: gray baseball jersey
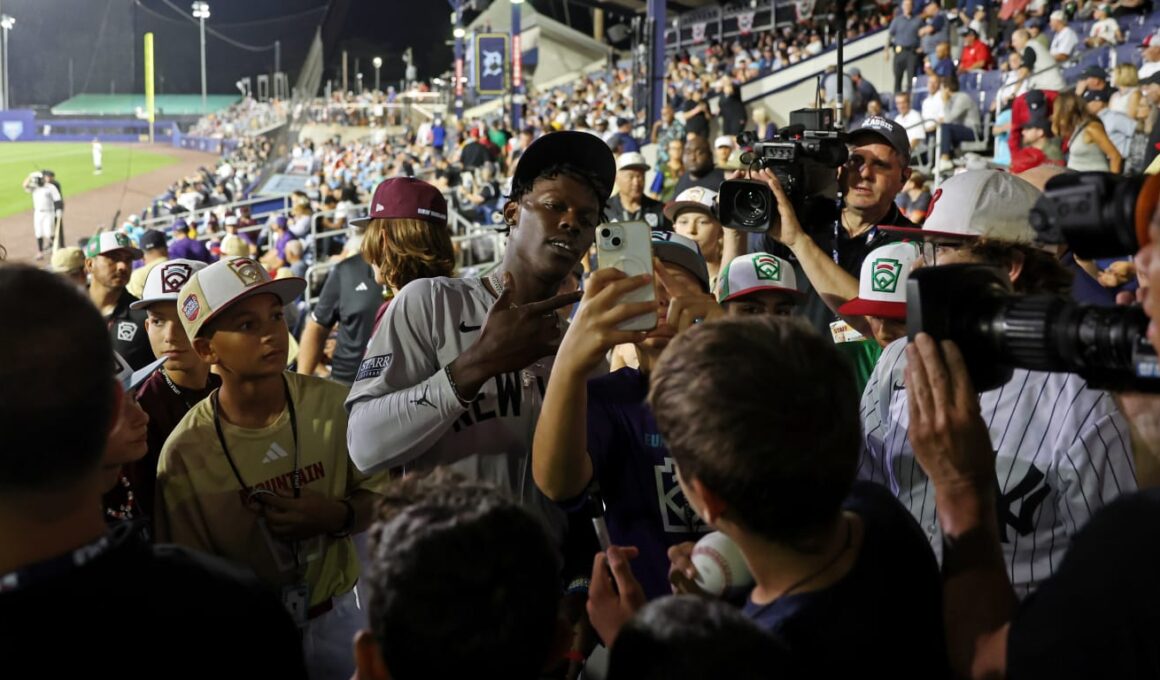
x,y
1063,452
403,411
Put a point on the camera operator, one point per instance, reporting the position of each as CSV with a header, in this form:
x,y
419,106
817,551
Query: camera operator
x,y
1104,594
47,206
831,259
1060,448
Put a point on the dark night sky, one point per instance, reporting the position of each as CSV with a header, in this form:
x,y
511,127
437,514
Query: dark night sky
x,y
67,46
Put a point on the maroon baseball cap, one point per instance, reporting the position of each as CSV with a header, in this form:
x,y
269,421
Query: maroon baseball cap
x,y
405,198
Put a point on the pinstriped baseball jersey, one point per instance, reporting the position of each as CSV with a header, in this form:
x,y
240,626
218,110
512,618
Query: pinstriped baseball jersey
x,y
1062,452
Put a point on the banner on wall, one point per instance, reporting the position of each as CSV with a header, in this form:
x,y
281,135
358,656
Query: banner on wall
x,y
745,22
491,63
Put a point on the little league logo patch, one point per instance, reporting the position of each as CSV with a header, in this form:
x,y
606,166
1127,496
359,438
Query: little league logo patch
x,y
248,271
191,308
885,275
126,331
174,276
768,268
123,240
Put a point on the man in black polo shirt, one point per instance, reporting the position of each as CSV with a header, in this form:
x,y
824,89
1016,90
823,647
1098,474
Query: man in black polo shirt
x,y
630,203
350,297
827,259
109,260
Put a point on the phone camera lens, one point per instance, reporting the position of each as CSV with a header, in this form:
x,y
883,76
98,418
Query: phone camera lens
x,y
616,242
606,232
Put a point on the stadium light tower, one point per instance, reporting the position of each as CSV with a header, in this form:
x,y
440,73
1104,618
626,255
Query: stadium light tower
x,y
378,62
201,13
6,24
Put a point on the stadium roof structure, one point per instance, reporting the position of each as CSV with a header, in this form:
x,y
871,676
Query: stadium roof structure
x,y
128,104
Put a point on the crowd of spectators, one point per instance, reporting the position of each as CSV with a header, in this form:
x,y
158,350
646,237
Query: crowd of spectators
x,y
427,474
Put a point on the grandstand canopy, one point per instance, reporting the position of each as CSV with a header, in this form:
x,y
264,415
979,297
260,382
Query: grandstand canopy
x,y
127,104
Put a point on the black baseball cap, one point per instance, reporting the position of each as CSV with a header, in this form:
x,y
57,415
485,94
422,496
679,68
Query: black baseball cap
x,y
1094,71
152,239
885,130
581,149
1153,79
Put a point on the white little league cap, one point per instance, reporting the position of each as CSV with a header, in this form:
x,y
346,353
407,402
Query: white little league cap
x,y
882,284
215,288
754,273
694,198
990,204
723,140
166,280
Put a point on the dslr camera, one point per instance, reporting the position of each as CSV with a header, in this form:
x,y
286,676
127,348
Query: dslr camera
x,y
804,157
1097,215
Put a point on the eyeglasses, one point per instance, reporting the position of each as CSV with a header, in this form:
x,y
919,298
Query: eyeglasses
x,y
932,250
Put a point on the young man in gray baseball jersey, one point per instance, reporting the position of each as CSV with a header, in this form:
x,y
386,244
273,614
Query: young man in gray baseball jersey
x,y
456,372
1062,449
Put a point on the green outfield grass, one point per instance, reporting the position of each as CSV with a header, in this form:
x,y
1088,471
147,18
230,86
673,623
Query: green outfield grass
x,y
73,165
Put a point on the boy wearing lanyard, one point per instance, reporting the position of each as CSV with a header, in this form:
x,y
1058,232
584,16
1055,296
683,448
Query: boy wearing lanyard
x,y
183,380
259,472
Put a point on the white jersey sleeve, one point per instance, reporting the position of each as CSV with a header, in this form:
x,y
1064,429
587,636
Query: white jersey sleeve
x,y
401,402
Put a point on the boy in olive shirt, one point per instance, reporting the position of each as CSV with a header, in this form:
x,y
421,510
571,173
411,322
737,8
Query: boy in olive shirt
x,y
259,472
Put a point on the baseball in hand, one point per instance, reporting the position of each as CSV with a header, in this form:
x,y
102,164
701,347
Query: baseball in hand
x,y
720,565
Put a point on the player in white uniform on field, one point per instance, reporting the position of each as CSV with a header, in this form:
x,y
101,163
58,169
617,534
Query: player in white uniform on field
x,y
98,156
46,205
1062,450
456,372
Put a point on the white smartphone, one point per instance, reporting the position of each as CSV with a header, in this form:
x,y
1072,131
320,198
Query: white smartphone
x,y
627,246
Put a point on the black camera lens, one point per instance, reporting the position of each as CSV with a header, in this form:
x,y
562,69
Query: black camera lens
x,y
606,232
616,242
751,206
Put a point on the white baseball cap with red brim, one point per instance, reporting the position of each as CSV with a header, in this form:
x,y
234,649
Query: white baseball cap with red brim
x,y
882,283
989,204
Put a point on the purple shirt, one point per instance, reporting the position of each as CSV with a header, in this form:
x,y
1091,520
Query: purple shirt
x,y
189,249
637,477
280,244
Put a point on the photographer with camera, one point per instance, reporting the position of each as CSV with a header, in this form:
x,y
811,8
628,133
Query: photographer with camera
x,y
47,206
1060,447
828,257
1055,633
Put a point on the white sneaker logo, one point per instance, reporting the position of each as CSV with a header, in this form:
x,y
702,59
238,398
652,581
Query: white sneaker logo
x,y
360,287
275,453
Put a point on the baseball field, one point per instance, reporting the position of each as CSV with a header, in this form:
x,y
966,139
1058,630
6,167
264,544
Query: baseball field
x,y
73,165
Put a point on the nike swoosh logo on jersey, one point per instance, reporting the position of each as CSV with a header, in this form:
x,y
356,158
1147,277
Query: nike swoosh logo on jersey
x,y
464,328
898,386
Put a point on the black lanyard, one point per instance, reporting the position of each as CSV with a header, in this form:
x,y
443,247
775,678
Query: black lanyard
x,y
177,391
295,476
